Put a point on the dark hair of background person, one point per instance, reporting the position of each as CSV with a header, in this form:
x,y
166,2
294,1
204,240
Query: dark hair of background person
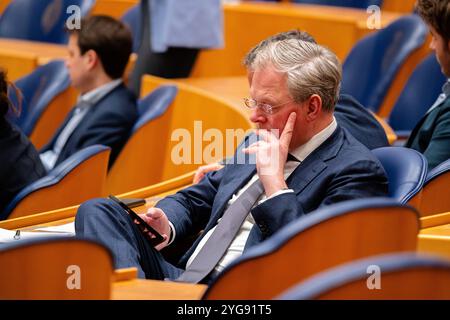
x,y
109,38
437,14
5,103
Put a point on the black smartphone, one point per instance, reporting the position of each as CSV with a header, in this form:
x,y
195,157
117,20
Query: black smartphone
x,y
149,233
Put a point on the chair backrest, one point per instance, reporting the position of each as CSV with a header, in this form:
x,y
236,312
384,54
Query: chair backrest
x,y
435,197
322,239
387,277
419,93
78,178
406,170
132,18
42,20
66,268
130,160
154,104
177,140
39,89
374,61
362,4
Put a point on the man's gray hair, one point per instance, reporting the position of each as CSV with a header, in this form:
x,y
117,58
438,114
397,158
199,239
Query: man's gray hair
x,y
310,69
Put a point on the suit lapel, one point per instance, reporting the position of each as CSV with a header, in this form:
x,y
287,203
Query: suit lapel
x,y
315,163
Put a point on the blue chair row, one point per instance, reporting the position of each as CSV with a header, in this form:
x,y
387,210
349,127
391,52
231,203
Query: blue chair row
x,y
79,178
323,239
150,107
373,63
42,20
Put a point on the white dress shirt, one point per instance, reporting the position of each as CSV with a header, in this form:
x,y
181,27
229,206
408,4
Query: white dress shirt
x,y
85,102
237,246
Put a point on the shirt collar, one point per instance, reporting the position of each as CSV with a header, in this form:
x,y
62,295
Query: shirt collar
x,y
306,149
446,88
94,96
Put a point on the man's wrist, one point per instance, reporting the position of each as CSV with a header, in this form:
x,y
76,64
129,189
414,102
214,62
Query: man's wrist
x,y
275,187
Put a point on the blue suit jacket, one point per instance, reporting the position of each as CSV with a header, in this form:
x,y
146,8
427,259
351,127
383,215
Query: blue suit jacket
x,y
108,122
340,169
360,122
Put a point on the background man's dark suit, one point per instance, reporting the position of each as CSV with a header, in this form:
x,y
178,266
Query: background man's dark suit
x,y
108,122
431,136
340,169
352,115
20,163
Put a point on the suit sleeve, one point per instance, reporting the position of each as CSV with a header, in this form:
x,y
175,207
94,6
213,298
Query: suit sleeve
x,y
189,210
360,179
438,149
111,130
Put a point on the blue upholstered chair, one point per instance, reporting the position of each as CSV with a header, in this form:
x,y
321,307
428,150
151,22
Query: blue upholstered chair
x,y
42,20
374,61
322,239
133,160
132,18
38,89
154,104
79,178
401,276
435,197
362,4
418,95
406,170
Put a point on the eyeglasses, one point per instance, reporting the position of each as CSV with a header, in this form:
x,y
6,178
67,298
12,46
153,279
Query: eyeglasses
x,y
265,107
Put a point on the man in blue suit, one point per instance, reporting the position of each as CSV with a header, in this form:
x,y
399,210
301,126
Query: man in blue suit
x,y
431,136
301,160
106,110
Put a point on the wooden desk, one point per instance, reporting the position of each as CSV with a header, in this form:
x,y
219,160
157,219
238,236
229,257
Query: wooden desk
x,y
246,24
435,220
435,240
138,289
113,8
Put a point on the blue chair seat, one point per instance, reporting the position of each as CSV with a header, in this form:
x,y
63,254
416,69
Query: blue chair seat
x,y
406,170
